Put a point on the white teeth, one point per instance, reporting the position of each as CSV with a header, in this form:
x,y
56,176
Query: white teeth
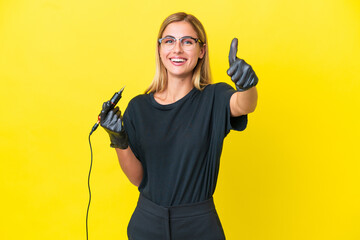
x,y
177,60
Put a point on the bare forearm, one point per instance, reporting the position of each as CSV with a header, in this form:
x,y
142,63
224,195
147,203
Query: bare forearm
x,y
242,103
130,165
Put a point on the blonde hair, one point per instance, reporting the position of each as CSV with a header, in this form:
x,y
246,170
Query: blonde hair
x,y
201,74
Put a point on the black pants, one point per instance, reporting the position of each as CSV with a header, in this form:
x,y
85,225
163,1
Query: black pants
x,y
197,221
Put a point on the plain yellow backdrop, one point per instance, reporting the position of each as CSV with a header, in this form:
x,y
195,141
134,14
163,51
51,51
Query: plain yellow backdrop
x,y
293,174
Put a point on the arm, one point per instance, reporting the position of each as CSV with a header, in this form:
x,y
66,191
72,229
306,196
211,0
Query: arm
x,y
130,165
111,121
242,103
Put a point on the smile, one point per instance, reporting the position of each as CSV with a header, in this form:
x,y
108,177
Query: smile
x,y
178,60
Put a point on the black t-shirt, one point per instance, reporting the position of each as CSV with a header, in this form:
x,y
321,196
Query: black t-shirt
x,y
179,144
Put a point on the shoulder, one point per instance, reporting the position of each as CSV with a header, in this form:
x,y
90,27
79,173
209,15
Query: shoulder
x,y
138,100
223,86
136,104
221,93
219,89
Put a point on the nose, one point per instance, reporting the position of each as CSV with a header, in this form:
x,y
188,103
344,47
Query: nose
x,y
177,46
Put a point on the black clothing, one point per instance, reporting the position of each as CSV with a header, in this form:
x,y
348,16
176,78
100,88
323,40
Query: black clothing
x,y
179,144
193,221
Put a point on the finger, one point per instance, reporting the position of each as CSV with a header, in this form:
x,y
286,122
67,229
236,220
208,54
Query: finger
x,y
232,70
116,109
105,109
115,116
255,80
117,112
108,118
239,72
245,77
116,123
106,106
118,126
249,81
233,51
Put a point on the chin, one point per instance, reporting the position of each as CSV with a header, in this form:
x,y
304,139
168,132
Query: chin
x,y
180,74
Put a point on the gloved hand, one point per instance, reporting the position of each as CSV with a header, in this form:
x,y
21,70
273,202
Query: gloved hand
x,y
111,121
240,72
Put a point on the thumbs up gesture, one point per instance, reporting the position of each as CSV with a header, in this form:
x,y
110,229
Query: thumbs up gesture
x,y
240,72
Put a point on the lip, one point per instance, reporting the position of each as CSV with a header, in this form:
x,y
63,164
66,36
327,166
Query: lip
x,y
178,63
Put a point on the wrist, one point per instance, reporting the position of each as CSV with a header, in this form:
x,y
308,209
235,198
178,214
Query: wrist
x,y
118,139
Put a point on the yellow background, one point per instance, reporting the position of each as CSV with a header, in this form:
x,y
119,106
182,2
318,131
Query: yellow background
x,y
292,175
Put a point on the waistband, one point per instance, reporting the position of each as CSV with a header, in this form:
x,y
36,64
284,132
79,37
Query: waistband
x,y
186,210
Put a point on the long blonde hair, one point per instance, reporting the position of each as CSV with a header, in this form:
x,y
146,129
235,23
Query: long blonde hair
x,y
201,74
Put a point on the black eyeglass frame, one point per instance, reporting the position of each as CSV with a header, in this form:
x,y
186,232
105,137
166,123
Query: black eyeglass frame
x,y
185,37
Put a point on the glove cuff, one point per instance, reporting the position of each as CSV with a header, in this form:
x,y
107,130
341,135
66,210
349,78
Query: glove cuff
x,y
118,140
242,89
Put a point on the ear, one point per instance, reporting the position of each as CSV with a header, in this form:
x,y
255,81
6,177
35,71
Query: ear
x,y
202,51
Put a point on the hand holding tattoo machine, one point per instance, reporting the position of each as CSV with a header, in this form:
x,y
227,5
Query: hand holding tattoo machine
x,y
110,119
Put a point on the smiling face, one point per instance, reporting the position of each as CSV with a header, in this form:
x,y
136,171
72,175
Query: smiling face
x,y
178,62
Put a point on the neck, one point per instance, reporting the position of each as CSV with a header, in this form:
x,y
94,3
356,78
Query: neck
x,y
176,89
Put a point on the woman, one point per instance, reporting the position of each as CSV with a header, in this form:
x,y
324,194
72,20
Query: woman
x,y
172,137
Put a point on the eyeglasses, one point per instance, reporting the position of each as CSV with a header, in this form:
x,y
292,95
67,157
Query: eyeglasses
x,y
187,42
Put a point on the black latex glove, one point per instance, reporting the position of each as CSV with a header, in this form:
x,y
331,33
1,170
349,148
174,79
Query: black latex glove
x,y
240,72
111,121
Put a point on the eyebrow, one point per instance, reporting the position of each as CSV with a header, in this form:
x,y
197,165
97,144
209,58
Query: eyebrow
x,y
181,37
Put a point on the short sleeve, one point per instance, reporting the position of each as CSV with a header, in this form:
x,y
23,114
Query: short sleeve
x,y
131,130
223,94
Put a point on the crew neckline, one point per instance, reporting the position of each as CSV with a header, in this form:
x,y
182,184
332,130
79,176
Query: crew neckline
x,y
171,105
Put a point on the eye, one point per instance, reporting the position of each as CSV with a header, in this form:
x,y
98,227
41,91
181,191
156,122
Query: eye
x,y
168,41
188,41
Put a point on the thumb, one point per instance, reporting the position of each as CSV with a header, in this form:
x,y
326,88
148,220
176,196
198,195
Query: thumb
x,y
233,51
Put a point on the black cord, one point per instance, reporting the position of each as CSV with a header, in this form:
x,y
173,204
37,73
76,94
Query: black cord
x,y
87,212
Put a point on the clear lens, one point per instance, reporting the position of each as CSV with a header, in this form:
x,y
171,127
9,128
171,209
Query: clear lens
x,y
187,43
168,42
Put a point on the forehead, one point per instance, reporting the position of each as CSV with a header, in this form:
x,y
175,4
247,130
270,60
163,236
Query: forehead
x,y
179,29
